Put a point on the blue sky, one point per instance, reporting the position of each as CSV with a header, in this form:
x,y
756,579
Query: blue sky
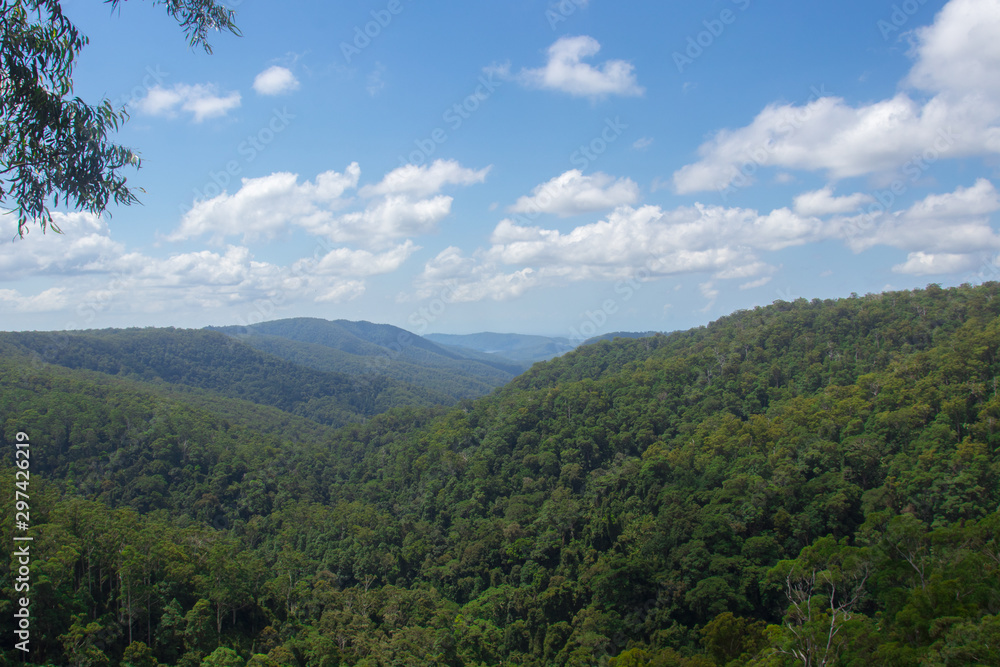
x,y
562,168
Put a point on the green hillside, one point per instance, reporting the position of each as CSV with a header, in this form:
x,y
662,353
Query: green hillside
x,y
519,347
361,348
216,363
807,483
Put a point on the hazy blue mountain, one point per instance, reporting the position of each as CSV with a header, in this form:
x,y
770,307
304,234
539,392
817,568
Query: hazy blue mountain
x,y
518,347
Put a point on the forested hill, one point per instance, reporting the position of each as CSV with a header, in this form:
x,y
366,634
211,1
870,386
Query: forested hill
x,y
365,348
218,364
525,348
806,483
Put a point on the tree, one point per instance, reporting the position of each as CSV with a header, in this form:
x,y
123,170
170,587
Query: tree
x,y
137,654
823,586
54,146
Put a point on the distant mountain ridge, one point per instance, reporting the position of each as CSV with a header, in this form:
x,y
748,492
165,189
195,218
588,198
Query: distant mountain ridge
x,y
519,347
622,334
208,360
363,347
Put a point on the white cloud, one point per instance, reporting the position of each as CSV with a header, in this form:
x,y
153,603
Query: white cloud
x,y
52,299
955,61
345,291
572,193
683,240
923,263
386,220
420,181
346,262
275,80
960,52
266,206
647,243
465,279
216,280
952,223
202,101
565,71
101,276
85,246
822,202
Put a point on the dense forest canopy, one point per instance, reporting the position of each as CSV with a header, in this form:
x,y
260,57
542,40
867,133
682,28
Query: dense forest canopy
x,y
805,483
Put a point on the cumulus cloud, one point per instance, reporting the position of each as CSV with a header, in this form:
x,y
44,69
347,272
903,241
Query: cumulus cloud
x,y
572,193
275,80
465,279
403,204
85,246
343,262
266,206
643,243
107,276
217,279
386,220
924,263
956,222
52,299
822,202
566,72
137,282
420,181
943,233
959,53
202,101
954,62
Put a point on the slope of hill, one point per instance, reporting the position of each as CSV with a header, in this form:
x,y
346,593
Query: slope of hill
x,y
806,483
621,334
216,363
364,348
518,347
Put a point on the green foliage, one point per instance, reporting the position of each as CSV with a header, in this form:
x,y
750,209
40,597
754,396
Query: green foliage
x,y
363,348
138,654
805,483
223,657
56,146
